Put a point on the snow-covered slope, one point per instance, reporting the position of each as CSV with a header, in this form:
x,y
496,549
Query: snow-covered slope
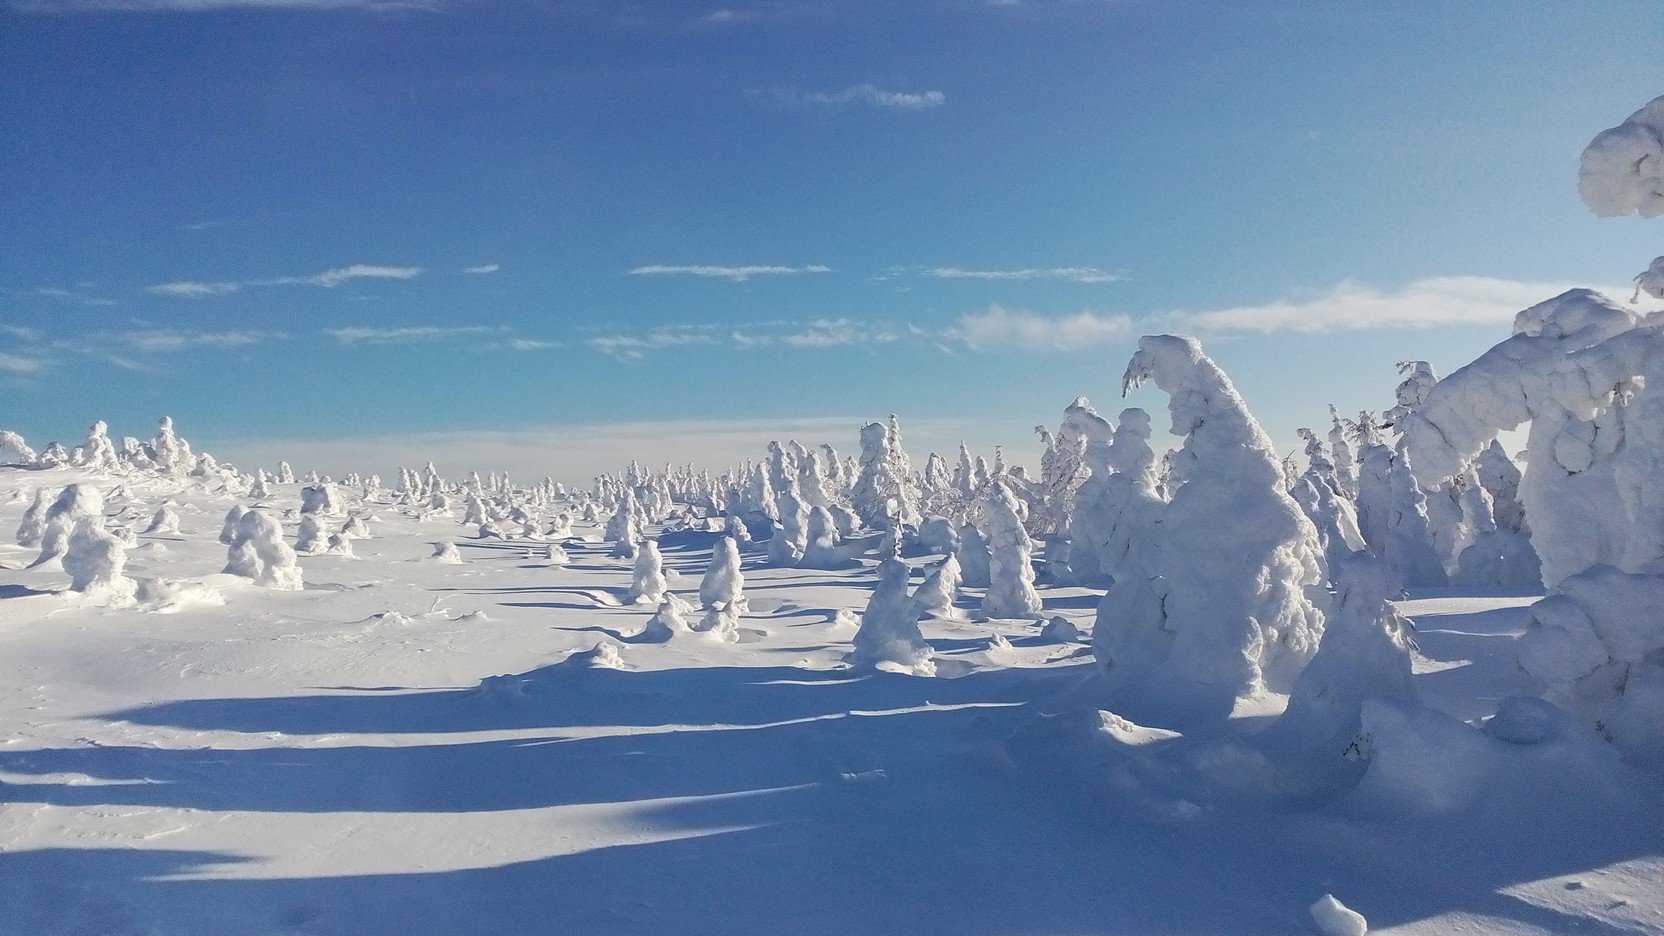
x,y
410,746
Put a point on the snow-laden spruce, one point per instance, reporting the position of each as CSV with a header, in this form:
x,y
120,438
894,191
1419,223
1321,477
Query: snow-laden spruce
x,y
889,631
1560,372
1320,495
1118,507
885,490
447,553
648,583
1622,169
95,561
73,504
1231,614
97,452
258,552
665,623
1366,653
33,523
724,584
940,590
821,549
1010,591
1597,643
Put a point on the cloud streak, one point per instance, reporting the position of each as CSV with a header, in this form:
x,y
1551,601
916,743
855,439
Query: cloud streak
x,y
1350,306
867,94
736,274
998,328
1071,274
366,334
328,279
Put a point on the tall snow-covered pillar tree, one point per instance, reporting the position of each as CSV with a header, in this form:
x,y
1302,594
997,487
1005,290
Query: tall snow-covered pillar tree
x,y
1231,614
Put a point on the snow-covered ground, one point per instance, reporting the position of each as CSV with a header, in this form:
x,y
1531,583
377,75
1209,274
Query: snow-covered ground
x,y
412,746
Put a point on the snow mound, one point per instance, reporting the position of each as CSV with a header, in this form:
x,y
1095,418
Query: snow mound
x,y
1334,918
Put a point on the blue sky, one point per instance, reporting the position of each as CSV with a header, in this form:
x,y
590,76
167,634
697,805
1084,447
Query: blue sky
x,y
343,230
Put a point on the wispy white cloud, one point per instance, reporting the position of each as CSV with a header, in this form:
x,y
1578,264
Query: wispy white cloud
x,y
635,347
531,344
737,274
329,279
998,328
81,294
1424,303
483,268
161,340
366,334
1072,274
18,364
866,94
822,333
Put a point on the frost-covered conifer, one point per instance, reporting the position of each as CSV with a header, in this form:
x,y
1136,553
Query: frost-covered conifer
x,y
1118,507
821,542
1230,615
312,537
228,529
648,585
890,626
790,539
1597,643
723,585
321,498
884,488
98,452
665,623
257,551
1562,370
33,525
975,562
1365,653
95,560
285,474
14,450
168,451
1011,591
447,552
940,590
74,503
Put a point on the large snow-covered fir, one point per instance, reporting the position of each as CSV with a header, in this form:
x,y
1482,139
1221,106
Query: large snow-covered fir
x,y
747,600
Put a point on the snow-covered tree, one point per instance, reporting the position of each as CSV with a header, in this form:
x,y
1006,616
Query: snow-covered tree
x,y
33,524
95,560
1561,372
14,450
940,590
1597,643
73,504
98,452
648,583
1230,615
884,489
258,552
723,585
1118,506
1010,591
890,625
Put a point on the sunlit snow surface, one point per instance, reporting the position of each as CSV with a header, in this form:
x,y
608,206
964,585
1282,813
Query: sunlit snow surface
x,y
402,747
